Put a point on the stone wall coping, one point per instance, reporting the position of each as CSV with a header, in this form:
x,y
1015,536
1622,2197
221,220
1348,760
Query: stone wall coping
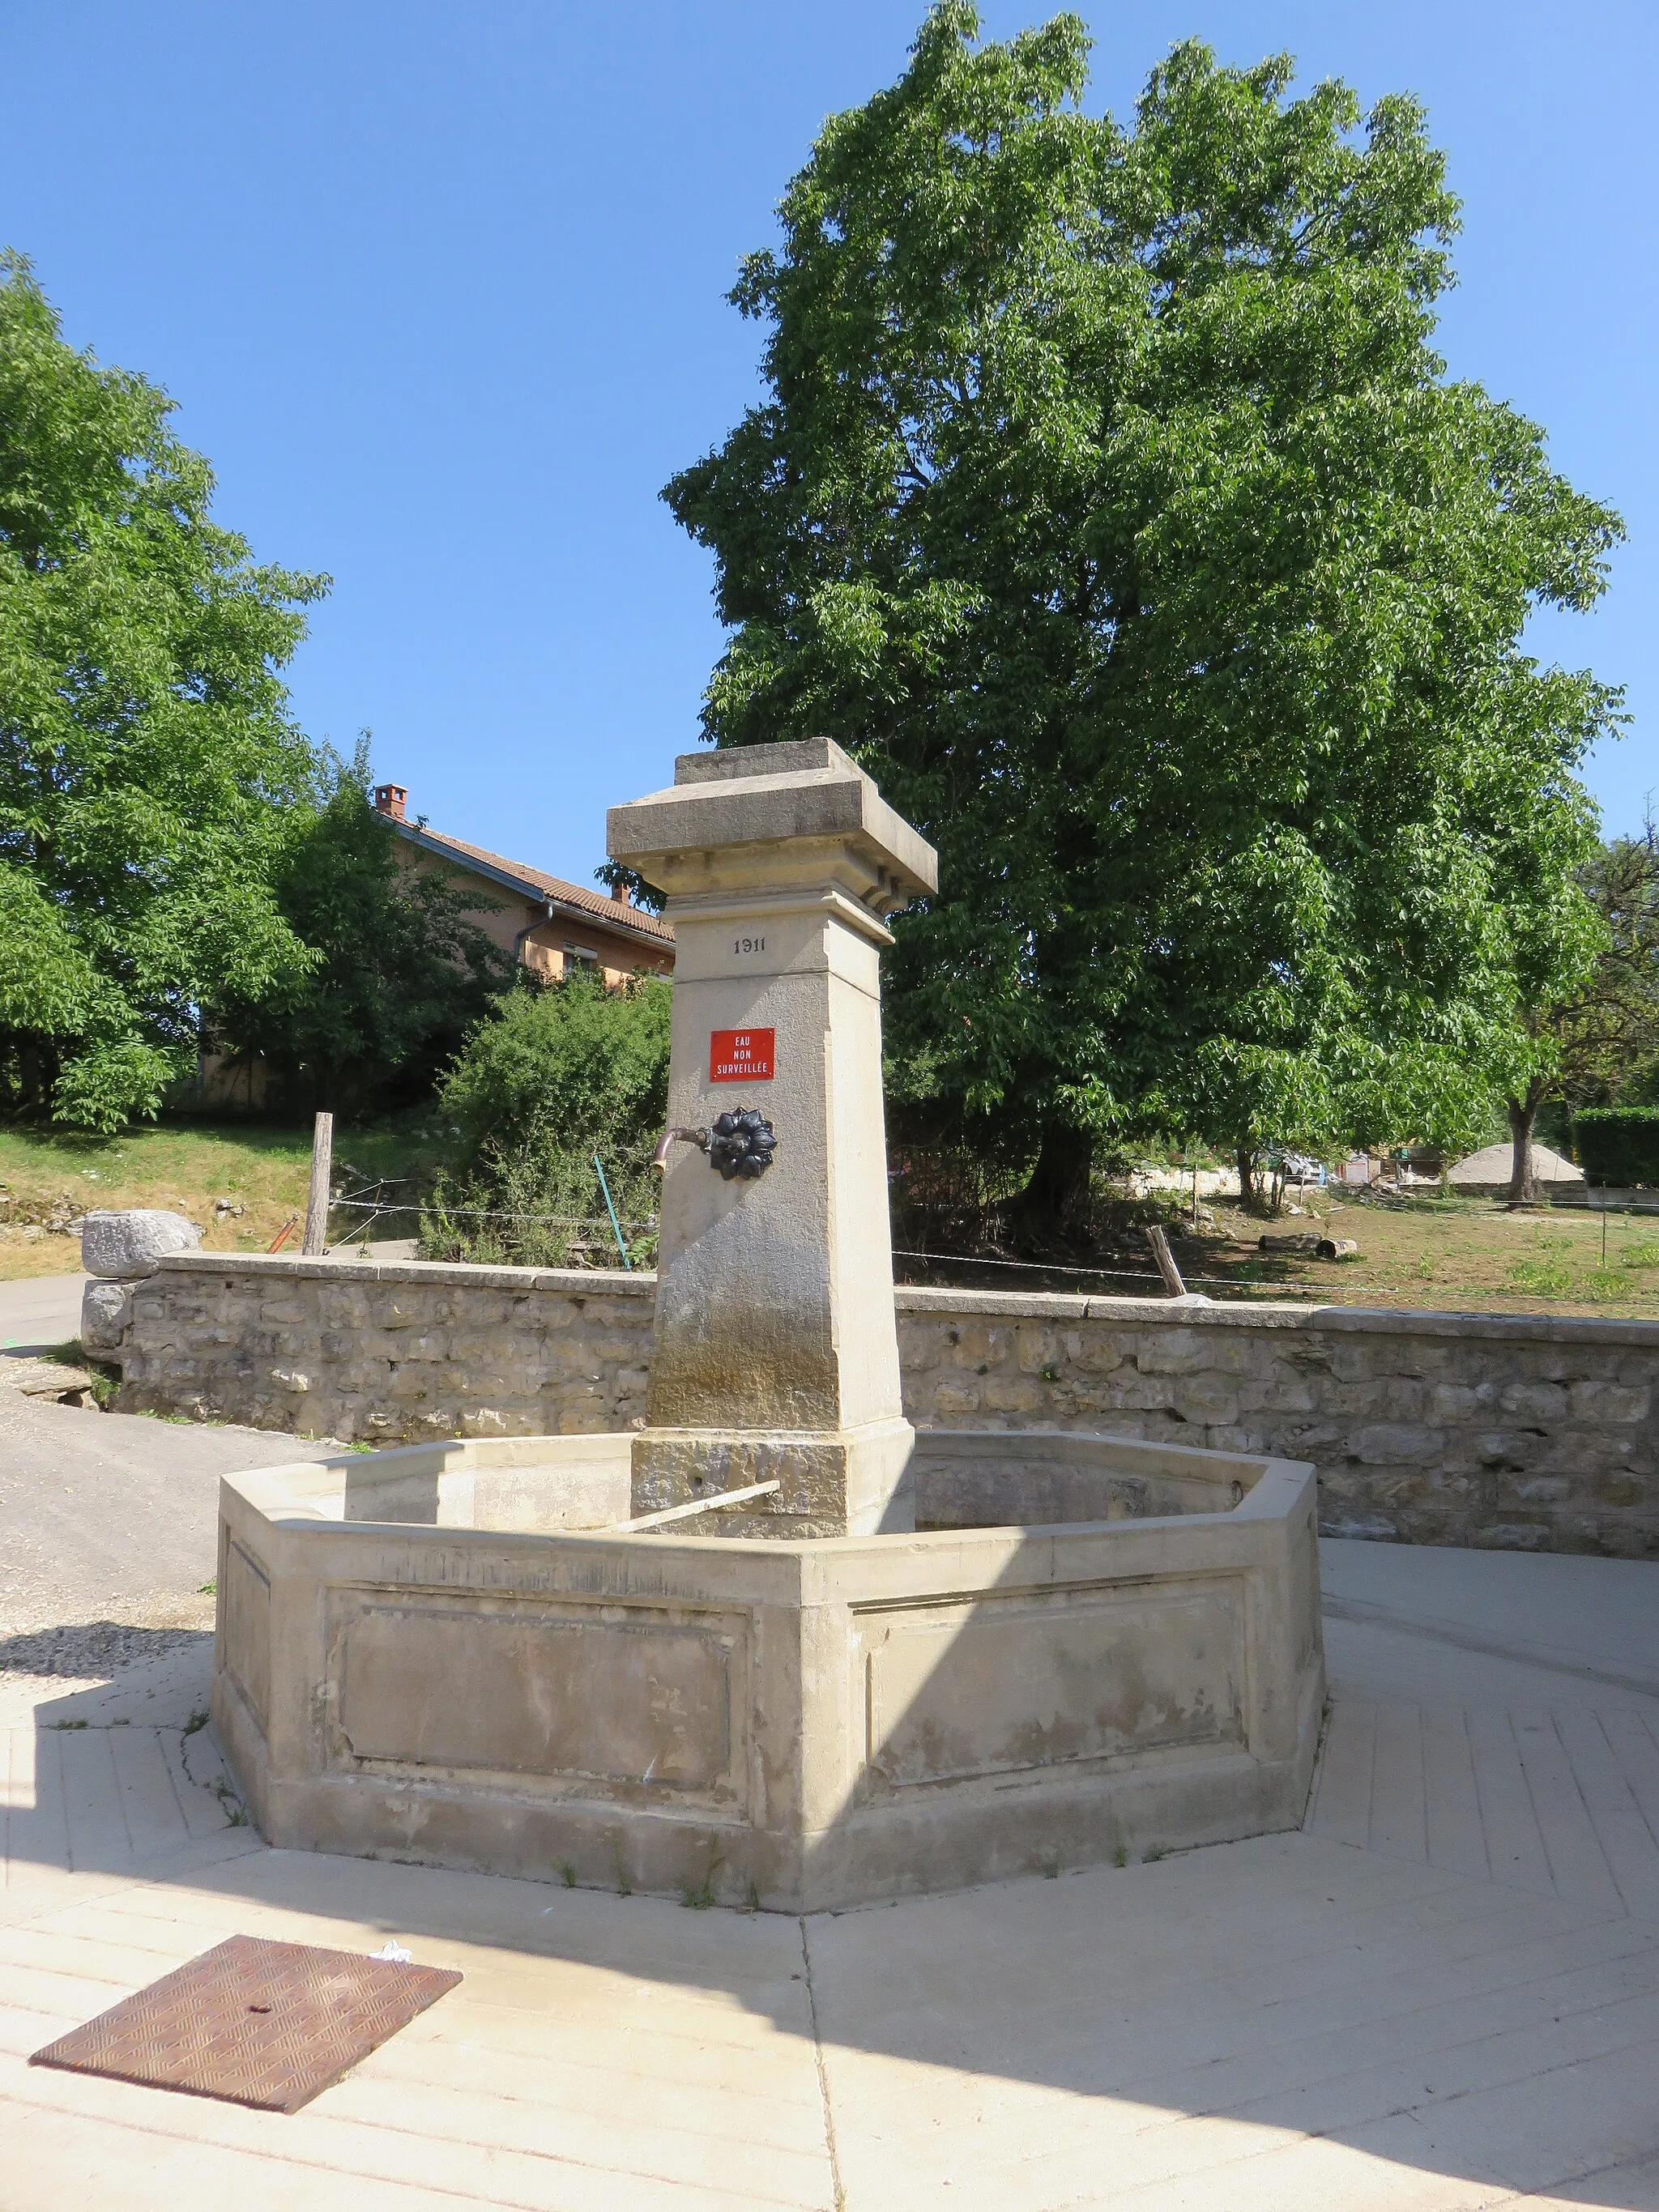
x,y
1016,1305
1368,1321
331,1267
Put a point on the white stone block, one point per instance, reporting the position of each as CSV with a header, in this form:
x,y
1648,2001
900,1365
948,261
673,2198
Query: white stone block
x,y
130,1242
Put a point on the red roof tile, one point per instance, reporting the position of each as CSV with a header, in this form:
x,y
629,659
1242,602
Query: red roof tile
x,y
536,883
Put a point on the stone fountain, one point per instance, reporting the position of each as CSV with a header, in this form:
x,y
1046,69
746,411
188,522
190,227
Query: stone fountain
x,y
777,1647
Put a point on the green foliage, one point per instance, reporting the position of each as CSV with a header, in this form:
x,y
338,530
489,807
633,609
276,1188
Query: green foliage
x,y
573,1063
1606,1035
559,1074
401,973
149,772
541,1206
1588,1034
1618,1145
1109,502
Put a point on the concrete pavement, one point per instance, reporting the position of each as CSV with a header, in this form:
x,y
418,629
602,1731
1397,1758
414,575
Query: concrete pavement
x,y
1397,2007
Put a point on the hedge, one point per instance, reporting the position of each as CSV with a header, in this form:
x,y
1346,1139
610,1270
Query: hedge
x,y
1618,1145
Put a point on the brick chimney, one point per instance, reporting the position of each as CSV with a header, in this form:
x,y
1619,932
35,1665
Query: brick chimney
x,y
391,798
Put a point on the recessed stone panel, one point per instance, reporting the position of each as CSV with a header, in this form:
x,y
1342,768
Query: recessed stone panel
x,y
1005,1684
246,1610
580,1693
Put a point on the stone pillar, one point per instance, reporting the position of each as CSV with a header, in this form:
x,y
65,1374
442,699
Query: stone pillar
x,y
775,1353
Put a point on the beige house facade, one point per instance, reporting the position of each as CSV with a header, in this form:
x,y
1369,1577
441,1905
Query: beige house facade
x,y
551,927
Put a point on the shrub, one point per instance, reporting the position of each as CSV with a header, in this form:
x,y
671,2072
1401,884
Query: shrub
x,y
564,1066
403,970
555,1077
544,1207
1618,1144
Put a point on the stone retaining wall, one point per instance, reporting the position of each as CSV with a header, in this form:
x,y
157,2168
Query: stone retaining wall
x,y
1516,1431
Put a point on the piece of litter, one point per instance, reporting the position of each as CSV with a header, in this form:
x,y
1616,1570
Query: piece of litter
x,y
394,1955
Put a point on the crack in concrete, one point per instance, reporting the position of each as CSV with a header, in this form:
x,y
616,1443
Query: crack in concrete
x,y
1489,1647
822,2072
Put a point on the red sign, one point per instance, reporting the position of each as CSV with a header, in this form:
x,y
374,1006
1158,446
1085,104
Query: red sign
x,y
741,1055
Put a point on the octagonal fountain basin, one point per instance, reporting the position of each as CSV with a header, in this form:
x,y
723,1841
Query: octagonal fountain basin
x,y
1089,1647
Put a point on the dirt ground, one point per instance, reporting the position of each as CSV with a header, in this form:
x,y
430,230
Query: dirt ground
x,y
1455,1253
1441,1253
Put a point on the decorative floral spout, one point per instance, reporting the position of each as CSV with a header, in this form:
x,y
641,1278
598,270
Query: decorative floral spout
x,y
741,1143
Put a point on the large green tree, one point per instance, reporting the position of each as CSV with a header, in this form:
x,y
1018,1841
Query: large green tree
x,y
149,771
1109,502
403,970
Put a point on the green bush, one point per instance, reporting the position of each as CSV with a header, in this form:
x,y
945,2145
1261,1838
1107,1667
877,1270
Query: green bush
x,y
403,972
1618,1144
555,1077
567,1065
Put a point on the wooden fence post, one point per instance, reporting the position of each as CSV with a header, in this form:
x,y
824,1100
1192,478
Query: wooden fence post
x,y
1166,1266
322,1169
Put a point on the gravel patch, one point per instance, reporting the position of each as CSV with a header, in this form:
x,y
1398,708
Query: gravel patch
x,y
91,1651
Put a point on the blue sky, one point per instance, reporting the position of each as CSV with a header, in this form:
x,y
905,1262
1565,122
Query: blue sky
x,y
440,290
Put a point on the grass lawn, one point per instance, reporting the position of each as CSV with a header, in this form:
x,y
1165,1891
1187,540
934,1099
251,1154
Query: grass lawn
x,y
1462,1253
1447,1253
48,1177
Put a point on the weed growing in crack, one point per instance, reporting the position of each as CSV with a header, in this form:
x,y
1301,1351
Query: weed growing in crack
x,y
700,1900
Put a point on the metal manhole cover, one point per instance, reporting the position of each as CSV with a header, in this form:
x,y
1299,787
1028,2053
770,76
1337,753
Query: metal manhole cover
x,y
256,2023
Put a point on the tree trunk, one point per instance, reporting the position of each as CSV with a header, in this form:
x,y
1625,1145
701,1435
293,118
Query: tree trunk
x,y
39,1065
1055,1202
1522,1113
1246,1176
33,1088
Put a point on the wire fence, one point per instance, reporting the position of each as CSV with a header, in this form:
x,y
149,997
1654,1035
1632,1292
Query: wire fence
x,y
499,1214
368,1202
497,1226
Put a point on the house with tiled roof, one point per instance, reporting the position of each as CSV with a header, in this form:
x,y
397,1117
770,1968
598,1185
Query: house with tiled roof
x,y
549,926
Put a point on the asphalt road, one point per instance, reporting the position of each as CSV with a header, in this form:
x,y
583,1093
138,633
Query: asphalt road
x,y
39,1310
104,1516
